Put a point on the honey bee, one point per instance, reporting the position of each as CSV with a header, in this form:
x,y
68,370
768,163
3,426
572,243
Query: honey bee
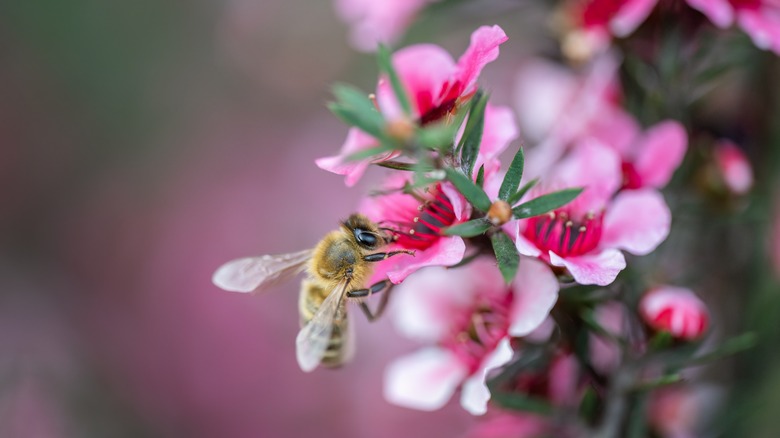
x,y
337,270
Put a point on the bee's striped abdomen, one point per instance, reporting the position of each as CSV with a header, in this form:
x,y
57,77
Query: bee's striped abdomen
x,y
310,299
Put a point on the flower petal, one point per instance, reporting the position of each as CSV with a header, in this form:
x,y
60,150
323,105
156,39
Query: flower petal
x,y
660,152
424,380
475,393
499,130
523,245
594,166
356,141
720,12
535,291
595,268
447,251
482,50
637,221
763,25
630,16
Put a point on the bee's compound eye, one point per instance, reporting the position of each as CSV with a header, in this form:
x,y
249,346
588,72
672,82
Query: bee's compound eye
x,y
365,238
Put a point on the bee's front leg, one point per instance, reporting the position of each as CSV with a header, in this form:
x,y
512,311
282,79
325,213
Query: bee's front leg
x,y
378,257
384,285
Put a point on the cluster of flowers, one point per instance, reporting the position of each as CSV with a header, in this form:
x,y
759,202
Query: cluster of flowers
x,y
500,243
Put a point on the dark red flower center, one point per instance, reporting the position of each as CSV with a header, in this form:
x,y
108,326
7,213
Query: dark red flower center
x,y
631,178
564,235
423,226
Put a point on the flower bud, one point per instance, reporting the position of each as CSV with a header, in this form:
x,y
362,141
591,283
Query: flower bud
x,y
675,310
499,213
401,129
733,167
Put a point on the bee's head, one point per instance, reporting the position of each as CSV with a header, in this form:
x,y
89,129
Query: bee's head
x,y
364,231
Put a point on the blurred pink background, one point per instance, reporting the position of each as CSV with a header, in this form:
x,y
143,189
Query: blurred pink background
x,y
142,144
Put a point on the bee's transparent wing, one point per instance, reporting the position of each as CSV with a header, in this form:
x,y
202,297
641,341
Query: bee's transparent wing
x,y
313,339
251,273
348,340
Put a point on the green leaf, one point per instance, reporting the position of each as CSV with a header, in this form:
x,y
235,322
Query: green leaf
x,y
472,133
468,229
521,402
481,176
506,255
400,165
437,136
356,109
473,193
545,203
523,190
513,176
589,405
384,60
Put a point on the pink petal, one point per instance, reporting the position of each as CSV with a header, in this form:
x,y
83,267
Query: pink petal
x,y
719,12
630,16
596,268
659,153
482,50
356,141
499,130
374,21
424,70
446,252
734,166
475,394
424,380
535,293
637,221
543,91
594,166
763,26
617,129
426,305
524,246
460,206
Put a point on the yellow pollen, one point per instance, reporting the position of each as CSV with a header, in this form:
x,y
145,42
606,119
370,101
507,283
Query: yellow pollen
x,y
416,219
411,231
569,224
551,215
582,229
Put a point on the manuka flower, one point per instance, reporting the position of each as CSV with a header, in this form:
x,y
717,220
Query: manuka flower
x,y
586,235
417,218
733,167
436,85
377,21
468,314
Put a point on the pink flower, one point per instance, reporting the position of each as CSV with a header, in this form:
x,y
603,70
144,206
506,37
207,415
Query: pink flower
x,y
502,424
680,411
377,21
675,310
436,85
734,167
760,19
417,220
586,235
604,351
468,314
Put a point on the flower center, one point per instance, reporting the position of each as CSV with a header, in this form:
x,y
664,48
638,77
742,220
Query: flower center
x,y
563,235
423,228
480,330
631,178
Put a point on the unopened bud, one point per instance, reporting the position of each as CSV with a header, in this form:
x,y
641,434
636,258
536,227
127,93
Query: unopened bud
x,y
675,310
401,129
500,213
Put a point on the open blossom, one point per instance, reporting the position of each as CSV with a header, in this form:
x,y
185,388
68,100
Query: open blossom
x,y
468,315
378,21
437,86
733,167
586,235
598,20
417,220
675,310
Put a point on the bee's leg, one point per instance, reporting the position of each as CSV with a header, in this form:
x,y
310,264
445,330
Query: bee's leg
x,y
378,257
384,285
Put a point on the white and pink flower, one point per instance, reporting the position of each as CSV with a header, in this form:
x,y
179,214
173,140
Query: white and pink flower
x,y
675,310
586,235
378,21
417,220
469,315
733,166
436,85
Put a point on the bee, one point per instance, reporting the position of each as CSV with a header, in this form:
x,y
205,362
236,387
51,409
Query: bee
x,y
337,270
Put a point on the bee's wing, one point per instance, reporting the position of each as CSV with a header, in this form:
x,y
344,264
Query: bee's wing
x,y
313,339
250,273
348,339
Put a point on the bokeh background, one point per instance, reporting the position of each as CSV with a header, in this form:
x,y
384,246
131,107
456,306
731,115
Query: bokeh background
x,y
144,143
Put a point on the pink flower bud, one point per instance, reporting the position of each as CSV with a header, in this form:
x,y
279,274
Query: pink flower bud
x,y
734,167
675,310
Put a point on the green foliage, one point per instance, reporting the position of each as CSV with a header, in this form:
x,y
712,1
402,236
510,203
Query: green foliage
x,y
513,176
545,203
472,192
469,229
468,147
506,255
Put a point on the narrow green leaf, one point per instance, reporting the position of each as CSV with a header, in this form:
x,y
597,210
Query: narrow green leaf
x,y
513,176
523,190
521,402
472,133
369,122
481,176
437,136
589,404
468,229
400,165
473,193
545,203
384,59
506,255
